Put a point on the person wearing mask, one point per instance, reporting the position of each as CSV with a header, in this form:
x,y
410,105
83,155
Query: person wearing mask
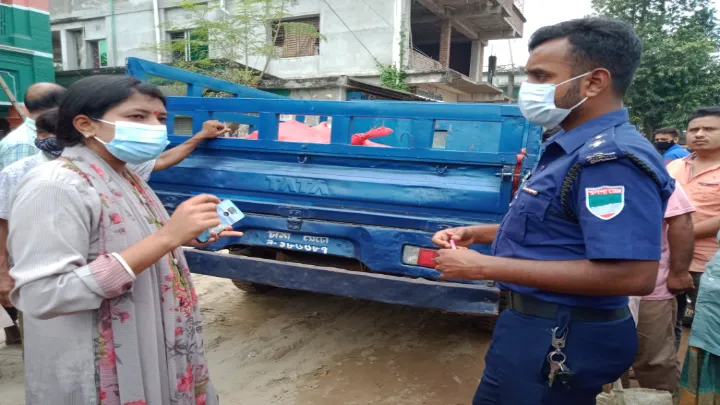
x,y
699,175
46,142
656,363
583,232
667,142
20,143
111,313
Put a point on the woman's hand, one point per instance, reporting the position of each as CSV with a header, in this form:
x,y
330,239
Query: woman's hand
x,y
463,237
228,232
192,218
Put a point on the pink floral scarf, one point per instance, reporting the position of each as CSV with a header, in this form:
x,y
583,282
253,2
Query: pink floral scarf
x,y
149,344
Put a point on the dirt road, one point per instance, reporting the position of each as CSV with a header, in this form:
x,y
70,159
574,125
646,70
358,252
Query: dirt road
x,y
294,348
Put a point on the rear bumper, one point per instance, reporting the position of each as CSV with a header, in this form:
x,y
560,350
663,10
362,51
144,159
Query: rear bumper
x,y
446,296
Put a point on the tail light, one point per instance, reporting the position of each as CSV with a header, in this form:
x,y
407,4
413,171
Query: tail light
x,y
417,256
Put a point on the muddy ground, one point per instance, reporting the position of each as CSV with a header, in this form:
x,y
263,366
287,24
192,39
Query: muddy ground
x,y
296,348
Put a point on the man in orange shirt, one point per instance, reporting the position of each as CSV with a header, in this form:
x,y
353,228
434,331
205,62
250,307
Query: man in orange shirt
x,y
699,176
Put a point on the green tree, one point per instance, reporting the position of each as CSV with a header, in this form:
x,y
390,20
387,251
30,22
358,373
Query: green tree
x,y
680,65
229,43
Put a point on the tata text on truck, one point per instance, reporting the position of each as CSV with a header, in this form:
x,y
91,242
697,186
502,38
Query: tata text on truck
x,y
347,220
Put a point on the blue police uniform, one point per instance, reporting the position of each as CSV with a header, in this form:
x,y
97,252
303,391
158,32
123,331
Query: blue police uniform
x,y
598,192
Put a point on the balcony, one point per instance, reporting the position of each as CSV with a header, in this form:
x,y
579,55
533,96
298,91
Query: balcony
x,y
420,62
475,19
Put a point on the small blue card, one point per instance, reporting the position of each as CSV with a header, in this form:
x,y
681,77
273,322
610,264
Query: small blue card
x,y
228,214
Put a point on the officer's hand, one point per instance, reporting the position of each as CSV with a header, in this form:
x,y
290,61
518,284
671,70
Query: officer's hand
x,y
680,284
462,236
461,264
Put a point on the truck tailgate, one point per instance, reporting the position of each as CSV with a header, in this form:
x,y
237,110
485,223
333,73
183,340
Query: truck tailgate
x,y
338,189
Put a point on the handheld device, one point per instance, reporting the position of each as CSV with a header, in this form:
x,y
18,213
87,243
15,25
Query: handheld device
x,y
228,214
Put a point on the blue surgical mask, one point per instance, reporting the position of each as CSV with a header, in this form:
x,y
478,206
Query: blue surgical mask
x,y
136,143
49,145
537,103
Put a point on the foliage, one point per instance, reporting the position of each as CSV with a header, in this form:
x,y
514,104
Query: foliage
x,y
229,44
679,70
393,77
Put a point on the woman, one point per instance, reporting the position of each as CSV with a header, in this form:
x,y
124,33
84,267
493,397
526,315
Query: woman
x,y
700,380
111,315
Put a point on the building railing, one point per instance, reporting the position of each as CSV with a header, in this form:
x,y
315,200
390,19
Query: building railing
x,y
423,63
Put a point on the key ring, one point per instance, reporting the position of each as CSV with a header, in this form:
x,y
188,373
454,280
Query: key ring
x,y
561,355
558,342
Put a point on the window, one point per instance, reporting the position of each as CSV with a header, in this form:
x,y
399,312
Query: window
x,y
189,45
97,53
298,37
75,49
57,50
5,16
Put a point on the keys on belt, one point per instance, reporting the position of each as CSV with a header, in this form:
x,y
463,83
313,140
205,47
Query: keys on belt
x,y
558,369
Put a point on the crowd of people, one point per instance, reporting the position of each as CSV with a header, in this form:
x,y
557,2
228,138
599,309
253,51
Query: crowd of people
x,y
94,263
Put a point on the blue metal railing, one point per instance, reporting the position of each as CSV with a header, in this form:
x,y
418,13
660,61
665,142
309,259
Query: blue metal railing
x,y
423,116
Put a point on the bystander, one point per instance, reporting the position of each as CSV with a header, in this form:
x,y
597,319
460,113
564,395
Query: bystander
x,y
667,142
699,175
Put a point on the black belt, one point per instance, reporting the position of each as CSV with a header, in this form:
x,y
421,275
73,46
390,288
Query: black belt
x,y
542,309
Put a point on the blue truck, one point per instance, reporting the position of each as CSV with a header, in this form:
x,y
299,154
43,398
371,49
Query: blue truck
x,y
347,220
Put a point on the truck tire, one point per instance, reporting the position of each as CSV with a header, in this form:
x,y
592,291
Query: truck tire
x,y
253,288
247,286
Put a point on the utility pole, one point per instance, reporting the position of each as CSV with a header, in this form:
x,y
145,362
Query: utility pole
x,y
12,98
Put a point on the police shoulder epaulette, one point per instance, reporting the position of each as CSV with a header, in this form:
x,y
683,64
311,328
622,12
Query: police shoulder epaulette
x,y
600,148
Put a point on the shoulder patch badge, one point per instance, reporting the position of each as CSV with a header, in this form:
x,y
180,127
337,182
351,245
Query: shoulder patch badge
x,y
605,202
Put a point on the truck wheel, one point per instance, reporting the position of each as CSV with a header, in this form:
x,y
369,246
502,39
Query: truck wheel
x,y
247,286
253,288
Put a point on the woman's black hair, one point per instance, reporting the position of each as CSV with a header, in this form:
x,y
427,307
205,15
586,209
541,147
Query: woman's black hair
x,y
47,122
93,97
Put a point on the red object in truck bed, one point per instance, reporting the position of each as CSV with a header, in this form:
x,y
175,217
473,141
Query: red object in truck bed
x,y
294,131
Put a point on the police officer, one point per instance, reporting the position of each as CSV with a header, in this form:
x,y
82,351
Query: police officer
x,y
583,232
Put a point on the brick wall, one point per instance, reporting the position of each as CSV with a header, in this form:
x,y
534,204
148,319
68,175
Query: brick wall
x,y
42,5
423,63
445,39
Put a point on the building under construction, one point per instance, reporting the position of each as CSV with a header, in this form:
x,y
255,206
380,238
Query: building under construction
x,y
440,44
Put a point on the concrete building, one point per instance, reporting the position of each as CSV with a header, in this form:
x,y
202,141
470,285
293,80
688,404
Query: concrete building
x,y
439,43
508,81
25,52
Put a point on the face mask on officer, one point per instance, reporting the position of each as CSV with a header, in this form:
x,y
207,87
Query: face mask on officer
x,y
537,103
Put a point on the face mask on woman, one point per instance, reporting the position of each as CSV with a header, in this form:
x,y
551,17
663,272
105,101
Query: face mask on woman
x,y
49,145
136,143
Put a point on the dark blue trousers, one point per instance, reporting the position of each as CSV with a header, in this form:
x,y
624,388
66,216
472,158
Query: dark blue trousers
x,y
516,367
